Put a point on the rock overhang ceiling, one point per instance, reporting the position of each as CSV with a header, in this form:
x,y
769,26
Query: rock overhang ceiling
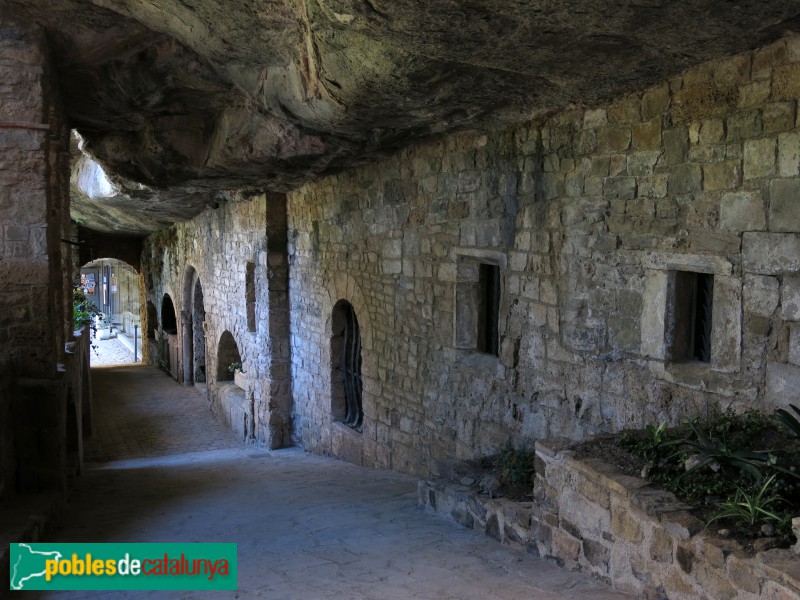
x,y
182,100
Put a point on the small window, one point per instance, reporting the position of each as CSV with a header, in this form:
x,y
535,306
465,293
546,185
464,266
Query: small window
x,y
250,295
689,317
477,307
169,322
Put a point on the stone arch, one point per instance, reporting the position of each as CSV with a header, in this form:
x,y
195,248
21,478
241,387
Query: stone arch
x,y
152,320
227,353
345,288
169,321
346,382
193,330
198,333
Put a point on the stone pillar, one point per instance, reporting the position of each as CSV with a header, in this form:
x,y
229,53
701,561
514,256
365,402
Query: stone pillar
x,y
280,386
35,265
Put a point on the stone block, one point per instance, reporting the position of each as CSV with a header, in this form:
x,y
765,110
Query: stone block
x,y
641,164
726,330
597,553
742,211
622,188
789,154
759,158
790,299
703,100
783,385
712,131
761,295
778,116
743,126
685,179
595,118
770,253
624,526
655,101
625,111
784,205
754,94
614,139
647,135
676,145
786,82
722,175
794,343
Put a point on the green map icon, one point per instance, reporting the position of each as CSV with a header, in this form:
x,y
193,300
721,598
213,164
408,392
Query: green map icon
x,y
28,564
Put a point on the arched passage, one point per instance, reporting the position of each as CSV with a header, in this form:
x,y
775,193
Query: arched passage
x,y
194,337
198,334
227,353
152,320
346,385
169,322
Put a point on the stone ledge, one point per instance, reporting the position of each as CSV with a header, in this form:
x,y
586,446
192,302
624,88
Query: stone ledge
x,y
648,543
505,520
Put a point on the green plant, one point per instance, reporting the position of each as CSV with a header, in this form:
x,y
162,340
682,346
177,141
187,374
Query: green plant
x,y
751,508
789,420
716,453
84,311
235,366
516,466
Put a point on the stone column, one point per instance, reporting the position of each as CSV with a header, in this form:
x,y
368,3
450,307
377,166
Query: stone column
x,y
280,387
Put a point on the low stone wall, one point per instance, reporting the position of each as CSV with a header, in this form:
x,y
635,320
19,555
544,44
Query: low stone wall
x,y
506,521
588,515
234,409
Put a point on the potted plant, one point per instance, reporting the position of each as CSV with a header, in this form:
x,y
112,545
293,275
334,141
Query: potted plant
x,y
238,374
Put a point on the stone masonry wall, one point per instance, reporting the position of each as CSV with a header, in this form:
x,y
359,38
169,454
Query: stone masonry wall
x,y
41,382
589,214
588,515
215,249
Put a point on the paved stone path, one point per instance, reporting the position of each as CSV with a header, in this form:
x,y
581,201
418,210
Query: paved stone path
x,y
307,527
109,352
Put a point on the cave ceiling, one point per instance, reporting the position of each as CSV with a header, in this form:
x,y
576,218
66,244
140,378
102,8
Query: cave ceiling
x,y
181,101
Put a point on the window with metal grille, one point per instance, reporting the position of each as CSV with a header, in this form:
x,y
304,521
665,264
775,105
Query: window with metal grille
x,y
346,384
477,306
689,317
250,295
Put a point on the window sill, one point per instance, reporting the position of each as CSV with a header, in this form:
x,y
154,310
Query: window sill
x,y
478,360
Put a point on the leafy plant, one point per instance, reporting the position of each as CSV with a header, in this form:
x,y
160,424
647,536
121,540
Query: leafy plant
x,y
751,508
84,311
716,453
235,366
789,420
516,466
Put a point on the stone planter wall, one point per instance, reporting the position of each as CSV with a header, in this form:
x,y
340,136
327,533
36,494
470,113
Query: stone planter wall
x,y
588,515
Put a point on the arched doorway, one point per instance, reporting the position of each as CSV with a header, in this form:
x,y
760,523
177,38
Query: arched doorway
x,y
113,287
194,337
168,339
227,354
169,322
198,334
346,385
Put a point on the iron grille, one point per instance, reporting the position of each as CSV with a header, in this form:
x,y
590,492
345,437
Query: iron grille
x,y
350,369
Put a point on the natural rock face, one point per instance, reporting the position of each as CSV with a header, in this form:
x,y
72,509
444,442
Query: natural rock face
x,y
271,94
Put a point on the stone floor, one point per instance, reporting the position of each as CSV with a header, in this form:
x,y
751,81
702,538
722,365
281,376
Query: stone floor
x,y
307,527
109,352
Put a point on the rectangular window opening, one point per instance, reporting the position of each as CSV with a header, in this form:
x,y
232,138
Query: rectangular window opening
x,y
250,295
488,309
690,322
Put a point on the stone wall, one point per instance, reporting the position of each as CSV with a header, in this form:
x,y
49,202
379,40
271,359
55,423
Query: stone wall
x,y
588,515
591,215
42,383
203,265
